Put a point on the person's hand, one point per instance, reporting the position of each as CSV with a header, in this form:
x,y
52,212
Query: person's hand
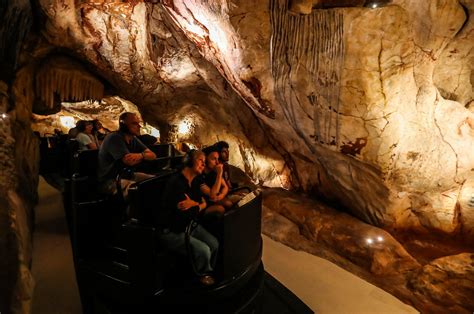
x,y
217,198
186,204
132,159
219,169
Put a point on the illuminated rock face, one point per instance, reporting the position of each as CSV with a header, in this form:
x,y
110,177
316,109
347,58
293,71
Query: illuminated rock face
x,y
438,282
372,108
395,150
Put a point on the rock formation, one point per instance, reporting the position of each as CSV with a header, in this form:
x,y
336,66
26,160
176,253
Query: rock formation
x,y
369,107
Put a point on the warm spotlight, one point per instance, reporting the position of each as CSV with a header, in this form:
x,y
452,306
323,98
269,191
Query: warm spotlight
x,y
369,241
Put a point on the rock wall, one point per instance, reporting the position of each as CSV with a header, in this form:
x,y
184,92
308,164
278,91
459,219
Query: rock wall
x,y
371,117
20,156
378,118
19,150
406,147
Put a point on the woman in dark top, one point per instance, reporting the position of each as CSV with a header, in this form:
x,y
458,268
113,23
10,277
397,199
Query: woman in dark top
x,y
214,187
184,202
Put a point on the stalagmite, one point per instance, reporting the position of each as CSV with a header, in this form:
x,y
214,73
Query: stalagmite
x,y
68,80
314,41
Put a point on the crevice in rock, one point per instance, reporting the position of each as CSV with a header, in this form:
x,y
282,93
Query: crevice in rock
x,y
444,140
463,26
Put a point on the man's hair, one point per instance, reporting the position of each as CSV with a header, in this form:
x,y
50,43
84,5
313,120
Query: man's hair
x,y
124,116
221,145
210,149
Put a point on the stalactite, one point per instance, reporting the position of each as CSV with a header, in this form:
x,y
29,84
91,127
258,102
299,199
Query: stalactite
x,y
314,41
68,80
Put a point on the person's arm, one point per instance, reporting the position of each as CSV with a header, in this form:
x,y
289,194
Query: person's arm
x,y
133,159
206,190
116,146
224,190
148,154
188,203
85,140
92,145
216,187
191,207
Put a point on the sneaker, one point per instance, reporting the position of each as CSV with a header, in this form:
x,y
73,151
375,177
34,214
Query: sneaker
x,y
207,280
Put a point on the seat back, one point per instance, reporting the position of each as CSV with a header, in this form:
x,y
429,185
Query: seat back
x,y
145,197
71,146
162,150
86,162
242,241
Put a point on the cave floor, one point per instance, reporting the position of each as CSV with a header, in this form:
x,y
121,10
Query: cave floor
x,y
53,270
323,286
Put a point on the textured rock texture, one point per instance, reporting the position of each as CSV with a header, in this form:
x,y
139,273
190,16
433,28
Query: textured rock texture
x,y
370,108
376,117
448,281
432,285
19,158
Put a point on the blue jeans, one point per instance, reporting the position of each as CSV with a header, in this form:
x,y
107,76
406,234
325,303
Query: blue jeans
x,y
204,247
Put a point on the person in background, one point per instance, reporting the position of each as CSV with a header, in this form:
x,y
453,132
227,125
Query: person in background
x,y
85,137
223,150
184,202
72,133
122,149
99,131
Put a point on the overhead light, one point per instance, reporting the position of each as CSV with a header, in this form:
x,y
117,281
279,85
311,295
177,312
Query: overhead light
x,y
184,127
373,4
67,121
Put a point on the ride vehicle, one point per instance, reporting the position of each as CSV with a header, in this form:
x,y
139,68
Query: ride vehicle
x,y
121,266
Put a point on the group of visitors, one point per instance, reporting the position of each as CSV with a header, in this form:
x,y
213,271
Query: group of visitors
x,y
89,134
200,189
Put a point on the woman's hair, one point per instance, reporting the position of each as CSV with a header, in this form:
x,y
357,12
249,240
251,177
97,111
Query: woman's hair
x,y
81,125
191,156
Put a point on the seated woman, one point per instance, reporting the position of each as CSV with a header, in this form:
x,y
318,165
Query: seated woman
x,y
99,131
214,186
85,137
183,201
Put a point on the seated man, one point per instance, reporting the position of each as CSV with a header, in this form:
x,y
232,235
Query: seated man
x,y
183,201
121,149
223,149
214,186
